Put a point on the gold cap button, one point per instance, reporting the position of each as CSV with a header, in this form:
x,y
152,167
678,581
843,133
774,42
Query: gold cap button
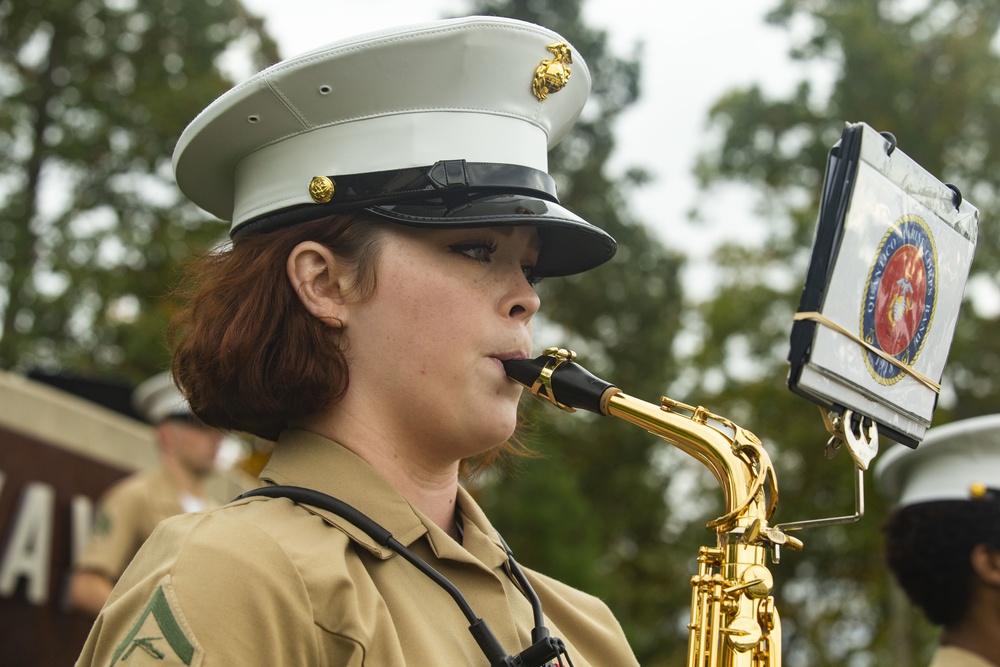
x,y
321,189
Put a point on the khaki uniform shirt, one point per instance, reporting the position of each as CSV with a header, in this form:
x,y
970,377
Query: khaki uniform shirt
x,y
267,582
126,516
952,656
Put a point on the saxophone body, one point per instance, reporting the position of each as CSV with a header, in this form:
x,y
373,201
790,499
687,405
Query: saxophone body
x,y
734,621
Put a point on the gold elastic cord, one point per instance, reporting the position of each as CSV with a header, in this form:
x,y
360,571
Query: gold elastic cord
x,y
830,324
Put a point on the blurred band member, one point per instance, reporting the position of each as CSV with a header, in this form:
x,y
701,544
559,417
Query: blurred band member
x,y
942,542
131,508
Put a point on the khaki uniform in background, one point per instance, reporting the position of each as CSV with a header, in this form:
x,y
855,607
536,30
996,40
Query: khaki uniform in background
x,y
267,582
126,516
952,656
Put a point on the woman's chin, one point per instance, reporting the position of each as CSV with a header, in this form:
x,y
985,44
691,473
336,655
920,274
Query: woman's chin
x,y
497,432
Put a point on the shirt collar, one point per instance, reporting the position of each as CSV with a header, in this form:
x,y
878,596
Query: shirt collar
x,y
306,459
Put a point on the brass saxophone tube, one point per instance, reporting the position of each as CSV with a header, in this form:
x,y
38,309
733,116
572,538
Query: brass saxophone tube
x,y
733,620
734,455
696,438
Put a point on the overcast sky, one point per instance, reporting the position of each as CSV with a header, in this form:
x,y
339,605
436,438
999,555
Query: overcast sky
x,y
694,52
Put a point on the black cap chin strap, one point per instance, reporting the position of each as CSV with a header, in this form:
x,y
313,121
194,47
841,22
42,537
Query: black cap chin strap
x,y
544,648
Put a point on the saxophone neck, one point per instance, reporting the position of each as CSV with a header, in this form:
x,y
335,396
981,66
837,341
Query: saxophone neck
x,y
733,455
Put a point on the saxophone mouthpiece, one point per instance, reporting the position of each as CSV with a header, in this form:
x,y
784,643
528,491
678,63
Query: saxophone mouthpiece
x,y
525,371
556,378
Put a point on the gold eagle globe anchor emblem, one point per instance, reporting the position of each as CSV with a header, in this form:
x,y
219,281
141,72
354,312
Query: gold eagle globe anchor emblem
x,y
321,189
552,75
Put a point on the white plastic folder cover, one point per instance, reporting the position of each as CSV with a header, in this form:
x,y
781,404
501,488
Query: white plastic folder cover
x,y
885,283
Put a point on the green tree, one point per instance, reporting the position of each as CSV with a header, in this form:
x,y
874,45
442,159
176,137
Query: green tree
x,y
93,96
928,73
591,510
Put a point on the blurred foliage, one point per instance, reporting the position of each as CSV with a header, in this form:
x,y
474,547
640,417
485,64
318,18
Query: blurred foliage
x,y
929,73
93,96
92,230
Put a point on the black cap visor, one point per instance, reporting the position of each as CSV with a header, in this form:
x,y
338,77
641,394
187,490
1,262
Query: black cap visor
x,y
570,244
459,194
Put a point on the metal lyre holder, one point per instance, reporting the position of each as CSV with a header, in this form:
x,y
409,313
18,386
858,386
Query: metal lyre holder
x,y
860,434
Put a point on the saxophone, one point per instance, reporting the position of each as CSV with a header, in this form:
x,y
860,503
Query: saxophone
x,y
734,622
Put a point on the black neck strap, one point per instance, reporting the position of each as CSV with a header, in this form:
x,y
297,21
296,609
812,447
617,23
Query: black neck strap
x,y
544,648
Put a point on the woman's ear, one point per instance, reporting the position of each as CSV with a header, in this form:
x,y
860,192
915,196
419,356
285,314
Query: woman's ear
x,y
317,277
986,564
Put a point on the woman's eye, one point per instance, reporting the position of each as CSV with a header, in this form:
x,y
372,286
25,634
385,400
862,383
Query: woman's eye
x,y
477,250
529,275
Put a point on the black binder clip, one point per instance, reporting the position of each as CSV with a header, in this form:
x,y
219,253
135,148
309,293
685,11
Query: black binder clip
x,y
891,138
956,195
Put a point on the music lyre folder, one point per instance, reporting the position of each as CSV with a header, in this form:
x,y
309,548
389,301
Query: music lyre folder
x,y
890,260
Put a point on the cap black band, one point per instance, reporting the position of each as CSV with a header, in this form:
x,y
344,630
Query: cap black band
x,y
453,183
442,179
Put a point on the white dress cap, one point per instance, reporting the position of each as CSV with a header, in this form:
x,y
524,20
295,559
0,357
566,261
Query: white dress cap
x,y
158,399
947,465
457,115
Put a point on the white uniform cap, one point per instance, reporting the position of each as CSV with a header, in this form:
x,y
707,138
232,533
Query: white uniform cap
x,y
951,460
444,124
158,399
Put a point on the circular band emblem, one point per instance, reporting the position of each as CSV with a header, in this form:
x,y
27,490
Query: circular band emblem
x,y
900,297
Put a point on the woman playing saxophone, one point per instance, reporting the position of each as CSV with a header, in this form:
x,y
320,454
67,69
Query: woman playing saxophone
x,y
391,213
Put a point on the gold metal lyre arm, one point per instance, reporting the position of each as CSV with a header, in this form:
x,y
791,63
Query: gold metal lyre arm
x,y
862,446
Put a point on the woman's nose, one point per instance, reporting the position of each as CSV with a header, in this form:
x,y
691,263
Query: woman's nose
x,y
523,300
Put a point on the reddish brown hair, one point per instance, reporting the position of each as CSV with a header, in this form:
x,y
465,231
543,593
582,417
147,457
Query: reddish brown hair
x,y
248,355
